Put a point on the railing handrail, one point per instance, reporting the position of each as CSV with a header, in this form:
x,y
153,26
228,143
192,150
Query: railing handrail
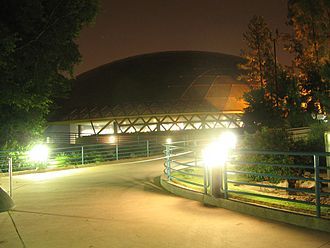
x,y
246,151
179,172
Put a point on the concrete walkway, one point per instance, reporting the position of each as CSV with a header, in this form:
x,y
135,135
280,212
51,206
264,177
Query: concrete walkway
x,y
121,205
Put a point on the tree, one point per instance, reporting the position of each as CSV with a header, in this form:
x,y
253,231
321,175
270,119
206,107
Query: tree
x,y
261,72
280,94
261,111
37,56
258,55
290,100
310,22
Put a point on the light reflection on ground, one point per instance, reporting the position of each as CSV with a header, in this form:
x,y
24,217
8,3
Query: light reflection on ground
x,y
48,175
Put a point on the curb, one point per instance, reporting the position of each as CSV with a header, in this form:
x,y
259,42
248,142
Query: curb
x,y
257,211
6,203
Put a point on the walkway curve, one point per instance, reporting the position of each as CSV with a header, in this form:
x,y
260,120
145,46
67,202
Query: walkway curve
x,y
123,205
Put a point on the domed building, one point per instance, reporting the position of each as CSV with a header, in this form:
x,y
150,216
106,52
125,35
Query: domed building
x,y
181,92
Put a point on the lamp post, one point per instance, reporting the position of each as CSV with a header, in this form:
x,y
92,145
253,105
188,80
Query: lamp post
x,y
216,182
215,156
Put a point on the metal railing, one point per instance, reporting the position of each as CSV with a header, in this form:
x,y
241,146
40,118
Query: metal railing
x,y
304,176
183,165
11,161
80,155
292,181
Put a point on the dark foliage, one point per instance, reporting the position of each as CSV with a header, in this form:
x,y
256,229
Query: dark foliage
x,y
37,55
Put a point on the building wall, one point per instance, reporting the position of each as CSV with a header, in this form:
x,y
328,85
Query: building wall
x,y
58,134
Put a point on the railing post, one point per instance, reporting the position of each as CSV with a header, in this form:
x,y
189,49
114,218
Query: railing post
x,y
225,184
317,185
147,148
10,171
327,149
117,151
168,161
82,155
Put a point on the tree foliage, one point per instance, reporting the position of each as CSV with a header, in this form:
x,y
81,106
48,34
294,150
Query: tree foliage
x,y
258,108
283,95
310,22
37,56
261,72
258,55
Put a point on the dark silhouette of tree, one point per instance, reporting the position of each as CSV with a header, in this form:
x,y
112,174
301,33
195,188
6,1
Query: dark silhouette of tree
x,y
37,56
261,73
281,95
258,54
310,45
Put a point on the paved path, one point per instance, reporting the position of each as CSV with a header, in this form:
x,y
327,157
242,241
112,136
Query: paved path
x,y
121,205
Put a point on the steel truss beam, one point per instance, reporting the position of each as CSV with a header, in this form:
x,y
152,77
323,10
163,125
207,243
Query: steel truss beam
x,y
173,122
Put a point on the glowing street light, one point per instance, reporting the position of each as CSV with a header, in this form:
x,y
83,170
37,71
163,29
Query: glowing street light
x,y
112,139
216,153
39,153
212,156
215,156
169,141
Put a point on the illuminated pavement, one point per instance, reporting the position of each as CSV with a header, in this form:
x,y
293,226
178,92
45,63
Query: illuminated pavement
x,y
122,206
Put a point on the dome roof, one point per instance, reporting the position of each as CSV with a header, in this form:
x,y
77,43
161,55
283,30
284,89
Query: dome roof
x,y
205,78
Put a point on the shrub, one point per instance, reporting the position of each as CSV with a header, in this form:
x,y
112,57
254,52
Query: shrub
x,y
99,156
314,142
268,140
315,139
280,140
68,158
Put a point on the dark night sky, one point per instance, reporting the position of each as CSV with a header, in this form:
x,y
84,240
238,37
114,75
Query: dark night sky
x,y
125,28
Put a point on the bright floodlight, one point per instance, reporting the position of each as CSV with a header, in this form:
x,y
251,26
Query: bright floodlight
x,y
38,153
216,153
112,139
212,154
168,141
